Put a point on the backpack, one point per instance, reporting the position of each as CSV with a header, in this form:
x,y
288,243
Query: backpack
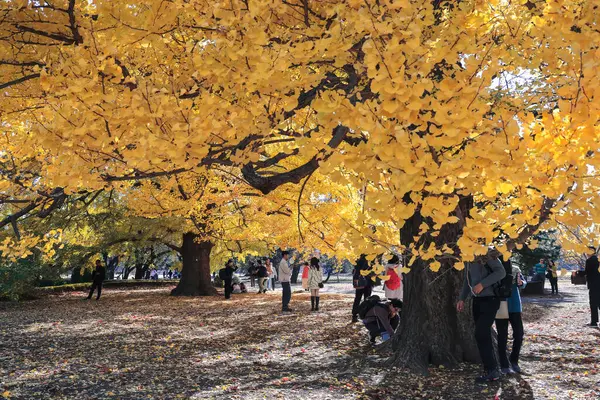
x,y
222,274
394,282
367,305
503,288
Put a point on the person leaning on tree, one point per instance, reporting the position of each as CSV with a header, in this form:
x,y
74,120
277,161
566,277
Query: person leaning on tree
x,y
592,275
97,279
480,276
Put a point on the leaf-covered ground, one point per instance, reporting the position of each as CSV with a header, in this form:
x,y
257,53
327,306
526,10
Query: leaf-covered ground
x,y
136,344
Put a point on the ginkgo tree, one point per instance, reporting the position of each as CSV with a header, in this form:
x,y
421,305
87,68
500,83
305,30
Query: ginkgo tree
x,y
431,128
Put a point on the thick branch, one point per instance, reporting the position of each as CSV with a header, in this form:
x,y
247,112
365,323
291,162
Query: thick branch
x,y
19,80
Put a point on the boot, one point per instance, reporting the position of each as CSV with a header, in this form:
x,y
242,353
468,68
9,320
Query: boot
x,y
312,303
317,303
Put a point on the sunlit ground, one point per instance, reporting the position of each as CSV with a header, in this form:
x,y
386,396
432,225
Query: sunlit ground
x,y
145,344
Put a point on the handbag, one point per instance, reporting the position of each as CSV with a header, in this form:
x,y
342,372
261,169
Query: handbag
x,y
502,312
321,285
549,274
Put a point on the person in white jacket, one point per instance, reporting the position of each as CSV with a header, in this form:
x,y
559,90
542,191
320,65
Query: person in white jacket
x,y
285,273
315,282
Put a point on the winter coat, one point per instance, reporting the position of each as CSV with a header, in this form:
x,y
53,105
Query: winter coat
x,y
315,276
485,273
514,301
285,272
592,274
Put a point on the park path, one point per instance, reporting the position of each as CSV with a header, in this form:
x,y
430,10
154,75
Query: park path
x,y
561,355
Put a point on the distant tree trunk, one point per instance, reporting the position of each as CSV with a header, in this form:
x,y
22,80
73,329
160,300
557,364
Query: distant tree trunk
x,y
140,270
329,275
295,272
80,275
126,272
195,273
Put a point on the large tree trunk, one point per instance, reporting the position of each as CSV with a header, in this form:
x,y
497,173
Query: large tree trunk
x,y
195,274
431,330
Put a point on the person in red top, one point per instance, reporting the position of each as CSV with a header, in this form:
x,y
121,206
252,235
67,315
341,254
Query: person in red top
x,y
305,270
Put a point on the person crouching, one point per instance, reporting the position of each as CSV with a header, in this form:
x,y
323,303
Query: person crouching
x,y
383,319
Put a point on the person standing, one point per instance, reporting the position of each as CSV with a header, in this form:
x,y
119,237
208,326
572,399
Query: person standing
x,y
97,279
285,274
305,269
263,276
314,282
271,273
516,322
480,277
363,285
552,275
227,277
592,275
539,271
393,286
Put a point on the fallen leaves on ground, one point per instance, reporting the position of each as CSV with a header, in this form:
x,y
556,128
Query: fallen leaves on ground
x,y
135,344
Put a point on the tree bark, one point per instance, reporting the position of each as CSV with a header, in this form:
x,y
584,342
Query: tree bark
x,y
195,274
433,332
140,271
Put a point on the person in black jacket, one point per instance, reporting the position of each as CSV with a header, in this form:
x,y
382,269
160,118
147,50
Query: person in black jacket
x,y
593,281
97,278
363,285
227,279
263,275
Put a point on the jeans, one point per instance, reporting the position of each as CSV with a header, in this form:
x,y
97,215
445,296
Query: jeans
x,y
484,314
554,285
360,293
502,327
594,303
94,286
375,328
286,295
262,284
228,288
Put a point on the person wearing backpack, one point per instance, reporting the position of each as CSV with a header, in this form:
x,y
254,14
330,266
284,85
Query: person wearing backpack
x,y
380,318
481,281
510,365
363,285
393,286
315,282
